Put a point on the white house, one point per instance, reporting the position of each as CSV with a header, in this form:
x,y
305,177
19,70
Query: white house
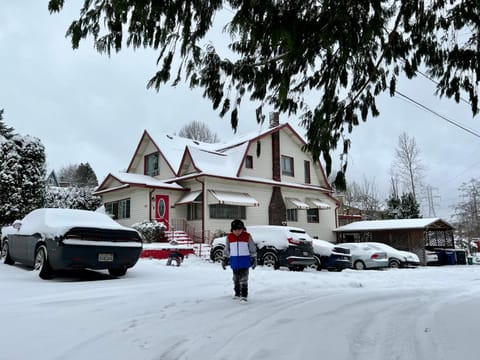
x,y
263,178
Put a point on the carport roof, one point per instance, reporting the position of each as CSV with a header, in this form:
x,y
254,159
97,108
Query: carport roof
x,y
393,224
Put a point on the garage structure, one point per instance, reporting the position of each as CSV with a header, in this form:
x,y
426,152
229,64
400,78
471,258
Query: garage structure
x,y
415,235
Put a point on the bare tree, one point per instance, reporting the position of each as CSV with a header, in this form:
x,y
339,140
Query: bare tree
x,y
467,211
66,175
364,196
408,166
197,130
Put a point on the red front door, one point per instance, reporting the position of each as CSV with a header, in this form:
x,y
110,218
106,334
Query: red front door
x,y
161,209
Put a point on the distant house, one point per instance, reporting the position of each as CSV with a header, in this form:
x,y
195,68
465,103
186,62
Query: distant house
x,y
263,178
52,180
416,235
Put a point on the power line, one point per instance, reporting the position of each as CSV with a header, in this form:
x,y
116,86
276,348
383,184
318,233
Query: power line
x,y
443,117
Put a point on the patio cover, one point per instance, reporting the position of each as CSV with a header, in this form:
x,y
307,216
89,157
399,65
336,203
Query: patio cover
x,y
319,204
189,198
233,198
294,203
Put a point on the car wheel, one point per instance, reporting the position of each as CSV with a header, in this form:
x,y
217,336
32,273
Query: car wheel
x,y
318,264
6,255
359,265
42,265
270,259
117,272
218,255
394,263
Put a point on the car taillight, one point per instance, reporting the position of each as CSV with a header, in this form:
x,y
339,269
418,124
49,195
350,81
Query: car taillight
x,y
293,241
374,256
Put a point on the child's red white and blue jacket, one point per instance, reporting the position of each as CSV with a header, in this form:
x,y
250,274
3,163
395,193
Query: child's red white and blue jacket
x,y
240,249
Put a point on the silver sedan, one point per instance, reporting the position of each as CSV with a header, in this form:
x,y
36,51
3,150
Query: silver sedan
x,y
366,257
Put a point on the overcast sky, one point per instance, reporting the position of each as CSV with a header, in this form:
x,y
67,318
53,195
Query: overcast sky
x,y
87,107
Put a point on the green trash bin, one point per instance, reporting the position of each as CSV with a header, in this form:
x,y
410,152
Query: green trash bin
x,y
470,260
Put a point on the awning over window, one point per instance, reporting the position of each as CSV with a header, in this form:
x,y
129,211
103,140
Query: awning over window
x,y
294,203
232,198
319,204
189,198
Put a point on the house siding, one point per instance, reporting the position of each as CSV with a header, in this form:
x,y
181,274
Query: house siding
x,y
291,148
262,164
323,229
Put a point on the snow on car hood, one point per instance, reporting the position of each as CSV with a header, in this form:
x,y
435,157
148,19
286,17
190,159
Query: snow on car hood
x,y
322,247
56,222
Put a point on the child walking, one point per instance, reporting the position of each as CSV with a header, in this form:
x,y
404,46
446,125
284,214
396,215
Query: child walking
x,y
241,251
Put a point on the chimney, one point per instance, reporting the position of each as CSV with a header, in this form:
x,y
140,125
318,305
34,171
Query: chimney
x,y
274,119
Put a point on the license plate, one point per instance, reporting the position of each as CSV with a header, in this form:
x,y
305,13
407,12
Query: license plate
x,y
105,257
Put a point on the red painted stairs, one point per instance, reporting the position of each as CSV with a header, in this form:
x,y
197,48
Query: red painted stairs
x,y
177,240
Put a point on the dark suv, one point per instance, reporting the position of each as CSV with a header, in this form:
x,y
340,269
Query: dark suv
x,y
276,246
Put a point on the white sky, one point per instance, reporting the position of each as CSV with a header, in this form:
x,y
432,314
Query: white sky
x,y
86,107
187,313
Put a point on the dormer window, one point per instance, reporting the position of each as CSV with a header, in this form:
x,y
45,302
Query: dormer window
x,y
249,162
152,164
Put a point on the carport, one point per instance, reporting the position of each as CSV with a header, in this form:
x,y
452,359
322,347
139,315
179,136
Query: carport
x,y
415,235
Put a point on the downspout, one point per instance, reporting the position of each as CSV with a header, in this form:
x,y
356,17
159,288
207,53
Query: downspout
x,y
150,204
204,201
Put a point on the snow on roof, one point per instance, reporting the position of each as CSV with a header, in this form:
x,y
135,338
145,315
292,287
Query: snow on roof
x,y
393,224
173,147
146,180
226,163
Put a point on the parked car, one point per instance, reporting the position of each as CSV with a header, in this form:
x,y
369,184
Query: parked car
x,y
397,258
62,239
276,246
366,257
11,229
330,256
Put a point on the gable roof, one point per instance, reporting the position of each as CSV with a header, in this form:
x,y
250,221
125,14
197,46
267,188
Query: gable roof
x,y
124,180
392,224
189,158
227,163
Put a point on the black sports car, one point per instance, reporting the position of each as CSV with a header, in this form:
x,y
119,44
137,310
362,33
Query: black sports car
x,y
63,239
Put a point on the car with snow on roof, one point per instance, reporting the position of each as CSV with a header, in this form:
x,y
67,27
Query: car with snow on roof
x,y
276,246
397,258
366,257
331,256
65,239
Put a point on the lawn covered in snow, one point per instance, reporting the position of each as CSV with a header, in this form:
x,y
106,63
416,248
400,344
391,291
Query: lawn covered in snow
x,y
160,312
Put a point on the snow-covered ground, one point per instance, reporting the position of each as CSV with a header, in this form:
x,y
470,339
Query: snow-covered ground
x,y
160,312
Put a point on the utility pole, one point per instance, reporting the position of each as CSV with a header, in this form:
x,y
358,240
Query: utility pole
x,y
430,200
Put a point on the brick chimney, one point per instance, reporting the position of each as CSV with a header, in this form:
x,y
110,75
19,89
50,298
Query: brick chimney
x,y
277,211
274,119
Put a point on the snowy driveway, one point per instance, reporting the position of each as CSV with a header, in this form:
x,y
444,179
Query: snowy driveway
x,y
166,313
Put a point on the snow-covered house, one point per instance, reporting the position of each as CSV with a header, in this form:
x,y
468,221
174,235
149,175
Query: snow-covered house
x,y
262,177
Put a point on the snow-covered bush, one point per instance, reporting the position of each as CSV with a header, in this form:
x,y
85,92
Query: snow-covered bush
x,y
151,231
81,198
22,177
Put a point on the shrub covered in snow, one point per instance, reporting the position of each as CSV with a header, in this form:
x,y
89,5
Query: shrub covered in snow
x,y
22,177
151,231
81,198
